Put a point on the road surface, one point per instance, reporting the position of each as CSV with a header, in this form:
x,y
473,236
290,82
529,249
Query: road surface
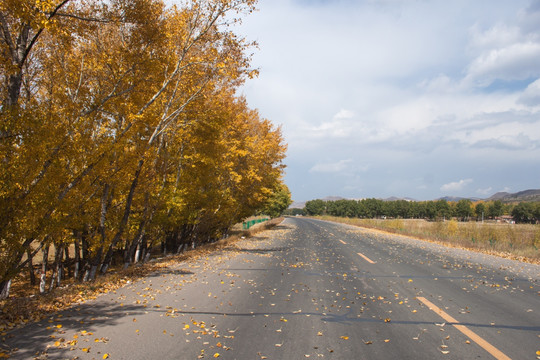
x,y
308,289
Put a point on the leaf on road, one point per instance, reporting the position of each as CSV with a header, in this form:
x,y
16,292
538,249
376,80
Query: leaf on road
x,y
344,337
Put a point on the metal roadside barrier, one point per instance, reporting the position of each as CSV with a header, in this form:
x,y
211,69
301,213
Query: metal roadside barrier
x,y
247,224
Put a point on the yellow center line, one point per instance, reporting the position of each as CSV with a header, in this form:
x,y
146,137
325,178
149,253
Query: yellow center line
x,y
343,242
366,258
466,331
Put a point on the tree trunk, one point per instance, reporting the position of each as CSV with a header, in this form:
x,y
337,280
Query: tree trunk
x,y
123,223
77,257
4,289
57,272
137,256
145,253
85,261
14,88
65,264
180,249
44,264
31,273
95,260
129,254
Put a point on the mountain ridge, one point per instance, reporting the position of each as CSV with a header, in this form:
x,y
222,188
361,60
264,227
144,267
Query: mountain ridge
x,y
524,195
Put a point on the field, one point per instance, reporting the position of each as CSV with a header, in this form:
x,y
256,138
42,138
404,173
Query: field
x,y
517,241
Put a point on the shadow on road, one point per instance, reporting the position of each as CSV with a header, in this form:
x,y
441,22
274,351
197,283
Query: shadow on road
x,y
51,335
350,318
262,251
167,271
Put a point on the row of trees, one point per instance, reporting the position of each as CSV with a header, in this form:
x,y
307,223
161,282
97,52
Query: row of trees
x,y
121,127
463,209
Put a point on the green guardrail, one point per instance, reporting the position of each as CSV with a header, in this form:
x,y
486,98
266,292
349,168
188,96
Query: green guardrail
x,y
247,224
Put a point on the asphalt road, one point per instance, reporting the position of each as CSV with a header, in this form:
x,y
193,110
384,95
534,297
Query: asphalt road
x,y
308,289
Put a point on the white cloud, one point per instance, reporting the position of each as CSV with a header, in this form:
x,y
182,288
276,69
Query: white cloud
x,y
331,167
485,191
515,62
456,186
531,95
343,114
498,36
403,86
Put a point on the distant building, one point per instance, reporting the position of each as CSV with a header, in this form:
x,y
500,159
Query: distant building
x,y
505,219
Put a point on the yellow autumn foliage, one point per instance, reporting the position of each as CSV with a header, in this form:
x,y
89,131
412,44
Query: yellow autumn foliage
x,y
121,129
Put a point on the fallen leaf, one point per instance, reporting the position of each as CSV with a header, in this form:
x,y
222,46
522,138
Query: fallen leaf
x,y
105,356
344,337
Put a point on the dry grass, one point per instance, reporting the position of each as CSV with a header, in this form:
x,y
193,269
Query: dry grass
x,y
515,241
25,304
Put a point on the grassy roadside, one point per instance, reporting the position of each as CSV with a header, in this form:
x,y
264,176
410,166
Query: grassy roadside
x,y
26,305
514,241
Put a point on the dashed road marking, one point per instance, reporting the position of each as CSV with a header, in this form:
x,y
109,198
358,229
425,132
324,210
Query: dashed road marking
x,y
496,353
366,258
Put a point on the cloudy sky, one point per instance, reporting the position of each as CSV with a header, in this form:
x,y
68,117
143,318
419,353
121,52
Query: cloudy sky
x,y
410,98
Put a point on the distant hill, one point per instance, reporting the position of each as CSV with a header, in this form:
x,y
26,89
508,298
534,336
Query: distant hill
x,y
457,198
333,198
302,204
395,198
525,195
297,205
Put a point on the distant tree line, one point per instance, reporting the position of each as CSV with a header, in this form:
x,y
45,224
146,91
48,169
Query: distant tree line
x,y
464,210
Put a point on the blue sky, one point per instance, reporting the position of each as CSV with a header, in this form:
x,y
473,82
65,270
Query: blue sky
x,y
422,99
